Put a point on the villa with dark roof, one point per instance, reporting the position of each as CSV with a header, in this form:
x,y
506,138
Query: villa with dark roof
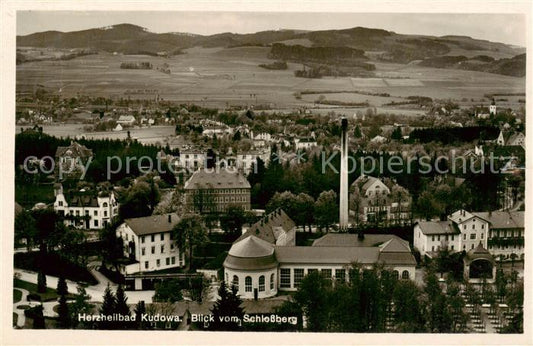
x,y
214,190
262,261
85,209
70,160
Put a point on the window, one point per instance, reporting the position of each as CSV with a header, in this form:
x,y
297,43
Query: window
x,y
473,226
162,248
167,261
481,235
173,260
87,212
472,236
433,248
142,239
153,250
158,263
271,281
432,238
326,273
77,213
248,284
298,276
171,246
146,265
105,212
482,226
95,213
153,238
340,275
464,226
452,247
60,203
464,236
95,223
105,204
285,278
235,282
143,251
405,275
262,283
452,237
162,236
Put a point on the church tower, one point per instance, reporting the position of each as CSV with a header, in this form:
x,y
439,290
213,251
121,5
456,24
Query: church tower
x,y
492,108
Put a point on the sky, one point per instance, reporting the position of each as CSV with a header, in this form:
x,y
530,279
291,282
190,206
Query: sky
x,y
505,28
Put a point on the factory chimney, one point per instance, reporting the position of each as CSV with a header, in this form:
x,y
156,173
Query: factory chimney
x,y
343,212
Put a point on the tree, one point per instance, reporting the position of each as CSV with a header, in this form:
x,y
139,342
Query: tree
x,y
112,246
408,312
305,210
80,306
108,308
233,220
312,299
62,288
397,134
227,306
357,132
189,232
41,282
38,317
25,228
121,307
140,310
140,200
326,209
168,291
63,312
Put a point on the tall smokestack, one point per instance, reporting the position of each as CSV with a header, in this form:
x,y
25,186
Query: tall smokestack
x,y
343,212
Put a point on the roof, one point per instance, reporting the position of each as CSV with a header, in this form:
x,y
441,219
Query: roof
x,y
406,258
460,216
267,228
74,150
216,179
352,240
251,247
81,200
152,224
438,227
326,254
251,253
126,118
478,253
18,209
503,219
394,245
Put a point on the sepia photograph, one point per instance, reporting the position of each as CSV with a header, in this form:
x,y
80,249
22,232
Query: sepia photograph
x,y
344,170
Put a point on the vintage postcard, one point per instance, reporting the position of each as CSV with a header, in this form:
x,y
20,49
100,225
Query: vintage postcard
x,y
315,172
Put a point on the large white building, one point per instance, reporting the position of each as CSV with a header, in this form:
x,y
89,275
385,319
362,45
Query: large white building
x,y
85,209
265,259
149,245
501,232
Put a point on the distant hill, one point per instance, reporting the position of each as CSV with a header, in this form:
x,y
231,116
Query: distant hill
x,y
385,45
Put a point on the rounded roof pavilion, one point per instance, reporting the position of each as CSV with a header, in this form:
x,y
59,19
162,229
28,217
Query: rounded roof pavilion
x,y
251,253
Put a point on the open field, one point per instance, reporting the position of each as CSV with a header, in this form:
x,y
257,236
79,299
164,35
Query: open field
x,y
218,77
145,135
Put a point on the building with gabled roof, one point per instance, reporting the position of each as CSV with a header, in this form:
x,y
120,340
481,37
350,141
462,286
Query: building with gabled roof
x,y
214,190
70,161
506,233
149,245
259,265
85,209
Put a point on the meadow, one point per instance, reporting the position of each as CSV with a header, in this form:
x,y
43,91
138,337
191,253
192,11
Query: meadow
x,y
220,77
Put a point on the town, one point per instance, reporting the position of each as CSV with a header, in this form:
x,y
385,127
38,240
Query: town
x,y
231,211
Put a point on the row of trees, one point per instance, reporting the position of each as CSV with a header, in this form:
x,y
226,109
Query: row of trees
x,y
375,301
